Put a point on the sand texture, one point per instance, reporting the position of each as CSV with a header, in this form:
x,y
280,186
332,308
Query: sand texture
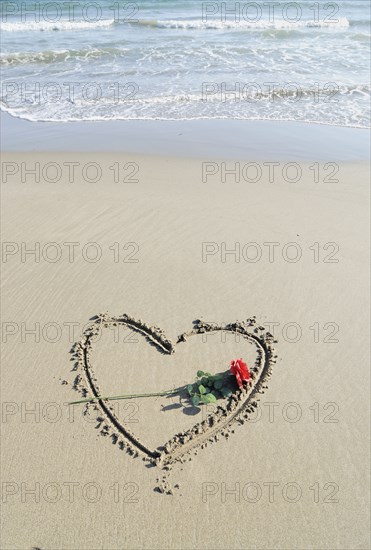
x,y
137,281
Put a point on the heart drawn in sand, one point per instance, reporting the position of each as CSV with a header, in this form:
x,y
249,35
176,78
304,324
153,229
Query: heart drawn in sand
x,y
235,408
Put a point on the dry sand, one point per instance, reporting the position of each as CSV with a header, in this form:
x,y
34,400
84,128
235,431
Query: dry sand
x,y
295,475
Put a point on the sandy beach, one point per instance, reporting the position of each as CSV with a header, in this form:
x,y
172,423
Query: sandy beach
x,y
170,240
185,281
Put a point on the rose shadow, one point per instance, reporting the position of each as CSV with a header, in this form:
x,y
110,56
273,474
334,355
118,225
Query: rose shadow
x,y
184,402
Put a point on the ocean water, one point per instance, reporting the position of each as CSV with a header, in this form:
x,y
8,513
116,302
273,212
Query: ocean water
x,y
184,59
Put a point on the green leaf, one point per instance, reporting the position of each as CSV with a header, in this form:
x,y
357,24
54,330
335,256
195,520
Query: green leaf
x,y
202,389
208,398
218,384
208,374
200,373
205,381
190,389
195,400
218,376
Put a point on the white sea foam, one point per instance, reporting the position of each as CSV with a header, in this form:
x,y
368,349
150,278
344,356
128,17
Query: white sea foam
x,y
156,68
58,26
56,56
193,107
216,24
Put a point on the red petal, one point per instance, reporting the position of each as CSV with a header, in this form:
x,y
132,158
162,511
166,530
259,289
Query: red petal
x,y
238,378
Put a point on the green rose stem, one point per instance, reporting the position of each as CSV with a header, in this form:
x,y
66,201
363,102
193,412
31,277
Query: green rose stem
x,y
116,397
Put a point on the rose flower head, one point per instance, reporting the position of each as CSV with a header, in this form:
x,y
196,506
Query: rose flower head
x,y
241,372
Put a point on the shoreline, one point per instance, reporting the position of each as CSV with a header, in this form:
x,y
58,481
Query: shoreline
x,y
228,139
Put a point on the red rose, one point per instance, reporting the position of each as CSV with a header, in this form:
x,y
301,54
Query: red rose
x,y
241,371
